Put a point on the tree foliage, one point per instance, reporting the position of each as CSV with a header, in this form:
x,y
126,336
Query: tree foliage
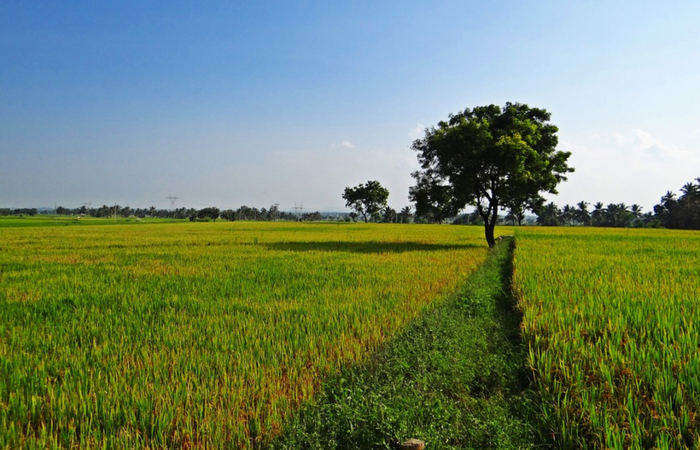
x,y
210,213
681,212
615,215
366,199
493,157
433,198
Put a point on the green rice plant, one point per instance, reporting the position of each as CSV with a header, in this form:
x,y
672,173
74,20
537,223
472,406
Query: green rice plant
x,y
200,335
611,318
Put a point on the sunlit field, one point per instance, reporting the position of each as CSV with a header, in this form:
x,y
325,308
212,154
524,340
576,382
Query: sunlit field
x,y
612,321
204,335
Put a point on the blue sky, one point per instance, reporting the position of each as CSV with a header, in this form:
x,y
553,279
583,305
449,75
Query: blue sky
x,y
281,102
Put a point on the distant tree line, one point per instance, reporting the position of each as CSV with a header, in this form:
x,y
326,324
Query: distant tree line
x,y
386,215
211,213
273,213
674,211
677,212
19,212
682,211
615,215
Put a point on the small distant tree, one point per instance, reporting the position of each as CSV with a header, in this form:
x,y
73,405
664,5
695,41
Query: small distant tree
x,y
582,215
311,217
549,215
228,214
389,215
274,212
617,215
405,215
568,215
598,214
366,199
517,206
211,213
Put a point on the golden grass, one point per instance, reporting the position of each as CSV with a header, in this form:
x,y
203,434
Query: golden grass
x,y
200,335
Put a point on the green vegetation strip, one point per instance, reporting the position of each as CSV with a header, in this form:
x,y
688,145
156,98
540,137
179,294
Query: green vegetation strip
x,y
455,378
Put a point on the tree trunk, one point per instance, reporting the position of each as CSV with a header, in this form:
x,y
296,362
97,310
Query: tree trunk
x,y
488,230
490,217
490,223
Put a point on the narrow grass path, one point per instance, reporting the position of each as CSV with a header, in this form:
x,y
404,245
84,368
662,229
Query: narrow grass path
x,y
455,379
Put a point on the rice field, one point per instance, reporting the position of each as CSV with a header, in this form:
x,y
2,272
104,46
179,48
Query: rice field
x,y
204,335
612,322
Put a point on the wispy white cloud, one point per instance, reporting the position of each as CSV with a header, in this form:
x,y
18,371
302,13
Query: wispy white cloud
x,y
620,138
344,144
417,131
631,166
644,141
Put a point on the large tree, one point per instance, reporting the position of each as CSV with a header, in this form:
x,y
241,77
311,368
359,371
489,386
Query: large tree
x,y
493,156
367,199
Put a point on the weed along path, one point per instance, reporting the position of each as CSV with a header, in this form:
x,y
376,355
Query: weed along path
x,y
455,378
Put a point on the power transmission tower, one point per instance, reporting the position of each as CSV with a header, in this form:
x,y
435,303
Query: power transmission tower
x,y
298,210
172,199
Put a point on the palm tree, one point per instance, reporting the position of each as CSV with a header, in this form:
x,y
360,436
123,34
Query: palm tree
x,y
598,214
582,215
405,214
549,215
618,215
690,190
636,213
636,210
567,214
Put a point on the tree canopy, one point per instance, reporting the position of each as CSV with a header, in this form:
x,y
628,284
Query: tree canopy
x,y
493,157
366,199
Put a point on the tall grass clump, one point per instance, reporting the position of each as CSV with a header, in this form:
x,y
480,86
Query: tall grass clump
x,y
611,318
